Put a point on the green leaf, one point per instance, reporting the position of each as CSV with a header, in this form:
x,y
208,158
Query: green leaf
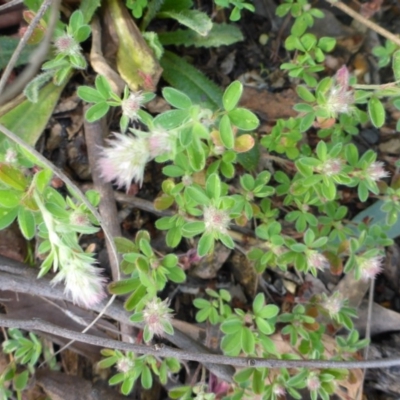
x,y
198,195
226,132
219,35
193,19
123,286
12,177
88,8
9,199
136,298
191,229
227,240
305,94
21,380
146,378
97,111
376,112
183,76
171,119
269,311
232,95
176,275
8,45
396,65
247,340
231,344
244,119
196,155
7,216
174,237
258,303
206,244
307,121
42,179
26,223
243,375
213,187
176,98
127,384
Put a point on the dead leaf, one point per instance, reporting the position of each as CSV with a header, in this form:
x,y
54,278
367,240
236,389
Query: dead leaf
x,y
270,106
135,61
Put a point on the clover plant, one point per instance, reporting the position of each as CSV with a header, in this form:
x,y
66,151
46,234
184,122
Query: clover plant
x,y
202,142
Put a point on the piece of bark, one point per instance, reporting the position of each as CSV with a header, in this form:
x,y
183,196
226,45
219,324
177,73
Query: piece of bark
x,y
59,386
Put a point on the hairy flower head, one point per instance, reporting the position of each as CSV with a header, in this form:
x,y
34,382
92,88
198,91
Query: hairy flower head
x,y
131,105
160,142
317,260
67,45
340,98
79,218
376,171
333,304
125,364
157,318
331,167
83,282
125,160
278,390
216,221
313,382
370,267
11,156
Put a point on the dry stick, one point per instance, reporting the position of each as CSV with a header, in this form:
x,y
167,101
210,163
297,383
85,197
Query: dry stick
x,y
17,277
107,208
369,24
368,329
165,351
10,4
94,133
35,60
24,40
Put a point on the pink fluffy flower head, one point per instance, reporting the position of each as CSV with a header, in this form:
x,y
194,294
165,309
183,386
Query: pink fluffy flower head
x,y
313,382
157,318
131,105
317,260
160,142
125,160
125,365
370,267
67,45
278,390
340,99
331,167
333,304
376,172
216,221
83,282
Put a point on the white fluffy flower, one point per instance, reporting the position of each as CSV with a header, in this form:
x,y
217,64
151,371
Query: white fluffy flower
x,y
83,282
216,221
157,317
131,105
371,267
341,98
125,160
160,142
376,171
317,260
